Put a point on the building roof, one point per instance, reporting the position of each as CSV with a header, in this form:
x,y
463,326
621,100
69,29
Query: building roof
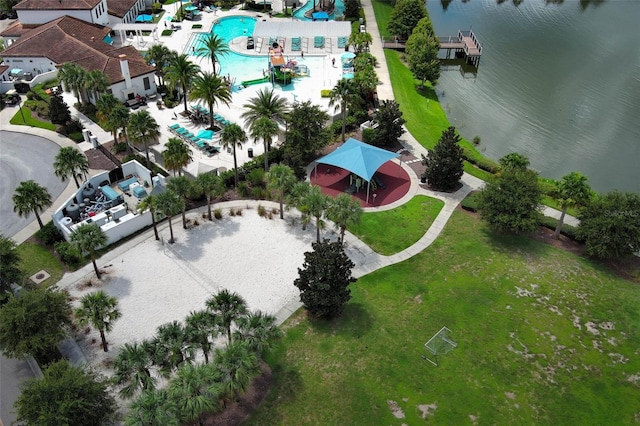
x,y
69,39
57,4
119,8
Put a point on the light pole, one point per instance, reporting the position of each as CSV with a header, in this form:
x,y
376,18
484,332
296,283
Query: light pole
x,y
20,106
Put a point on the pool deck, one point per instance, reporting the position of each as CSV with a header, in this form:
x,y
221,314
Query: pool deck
x,y
324,76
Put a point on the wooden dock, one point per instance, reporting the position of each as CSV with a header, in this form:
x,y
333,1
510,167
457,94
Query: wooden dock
x,y
465,45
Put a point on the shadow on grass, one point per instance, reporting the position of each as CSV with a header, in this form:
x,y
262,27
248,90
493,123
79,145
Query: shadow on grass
x,y
513,243
355,321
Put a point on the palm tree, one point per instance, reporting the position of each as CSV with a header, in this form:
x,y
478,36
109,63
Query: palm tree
x,y
266,104
183,187
570,191
238,364
119,119
95,82
159,56
181,72
133,369
210,88
171,348
169,204
153,407
31,197
89,238
233,136
258,330
315,203
150,202
280,178
211,186
72,77
143,128
104,105
201,327
176,155
514,161
213,47
344,210
195,392
99,310
264,128
296,198
229,307
342,95
70,162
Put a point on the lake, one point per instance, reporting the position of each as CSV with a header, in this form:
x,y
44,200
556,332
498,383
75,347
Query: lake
x,y
557,82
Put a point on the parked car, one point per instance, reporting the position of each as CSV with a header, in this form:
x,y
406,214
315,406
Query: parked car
x,y
12,97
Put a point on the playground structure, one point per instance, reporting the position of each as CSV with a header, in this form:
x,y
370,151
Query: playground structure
x,y
280,69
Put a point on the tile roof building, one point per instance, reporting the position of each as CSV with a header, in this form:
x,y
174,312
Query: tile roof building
x,y
42,49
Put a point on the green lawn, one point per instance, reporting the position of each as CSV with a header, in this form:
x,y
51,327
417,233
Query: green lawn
x,y
391,231
382,10
518,310
30,121
34,258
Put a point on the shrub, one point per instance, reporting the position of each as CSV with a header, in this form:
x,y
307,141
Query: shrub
x,y
69,253
49,234
258,193
166,33
470,203
196,26
217,213
119,147
256,177
262,211
325,93
566,230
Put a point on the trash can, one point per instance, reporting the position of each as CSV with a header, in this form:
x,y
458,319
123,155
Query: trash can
x,y
250,152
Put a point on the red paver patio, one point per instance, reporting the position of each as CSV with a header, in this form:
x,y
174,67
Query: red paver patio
x,y
334,180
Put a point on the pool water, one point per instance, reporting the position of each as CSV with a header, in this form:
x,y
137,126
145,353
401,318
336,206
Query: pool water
x,y
299,13
243,67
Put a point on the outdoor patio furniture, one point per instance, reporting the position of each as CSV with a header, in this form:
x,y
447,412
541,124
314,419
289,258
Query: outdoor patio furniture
x,y
318,42
174,126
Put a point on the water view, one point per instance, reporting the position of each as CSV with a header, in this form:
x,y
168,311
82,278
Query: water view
x,y
558,82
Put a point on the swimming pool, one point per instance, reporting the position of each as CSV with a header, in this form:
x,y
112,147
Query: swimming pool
x,y
299,13
244,67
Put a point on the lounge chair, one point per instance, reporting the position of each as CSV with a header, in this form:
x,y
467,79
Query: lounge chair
x,y
174,126
318,42
182,131
342,42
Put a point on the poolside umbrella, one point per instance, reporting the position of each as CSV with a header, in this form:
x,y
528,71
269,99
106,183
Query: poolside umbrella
x,y
144,18
205,134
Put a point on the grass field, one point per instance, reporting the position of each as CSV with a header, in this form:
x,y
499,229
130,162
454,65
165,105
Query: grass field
x,y
29,120
34,258
402,226
544,337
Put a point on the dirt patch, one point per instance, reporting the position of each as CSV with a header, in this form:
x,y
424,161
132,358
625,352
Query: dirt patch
x,y
238,411
395,409
427,409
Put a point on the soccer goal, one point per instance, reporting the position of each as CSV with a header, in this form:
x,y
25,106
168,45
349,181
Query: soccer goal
x,y
439,344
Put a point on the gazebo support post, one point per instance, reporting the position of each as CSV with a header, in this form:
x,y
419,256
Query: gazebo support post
x,y
368,186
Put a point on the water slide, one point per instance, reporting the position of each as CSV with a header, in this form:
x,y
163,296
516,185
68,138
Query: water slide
x,y
256,81
281,77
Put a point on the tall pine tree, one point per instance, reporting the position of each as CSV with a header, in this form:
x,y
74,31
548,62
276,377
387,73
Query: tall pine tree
x,y
58,110
445,162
